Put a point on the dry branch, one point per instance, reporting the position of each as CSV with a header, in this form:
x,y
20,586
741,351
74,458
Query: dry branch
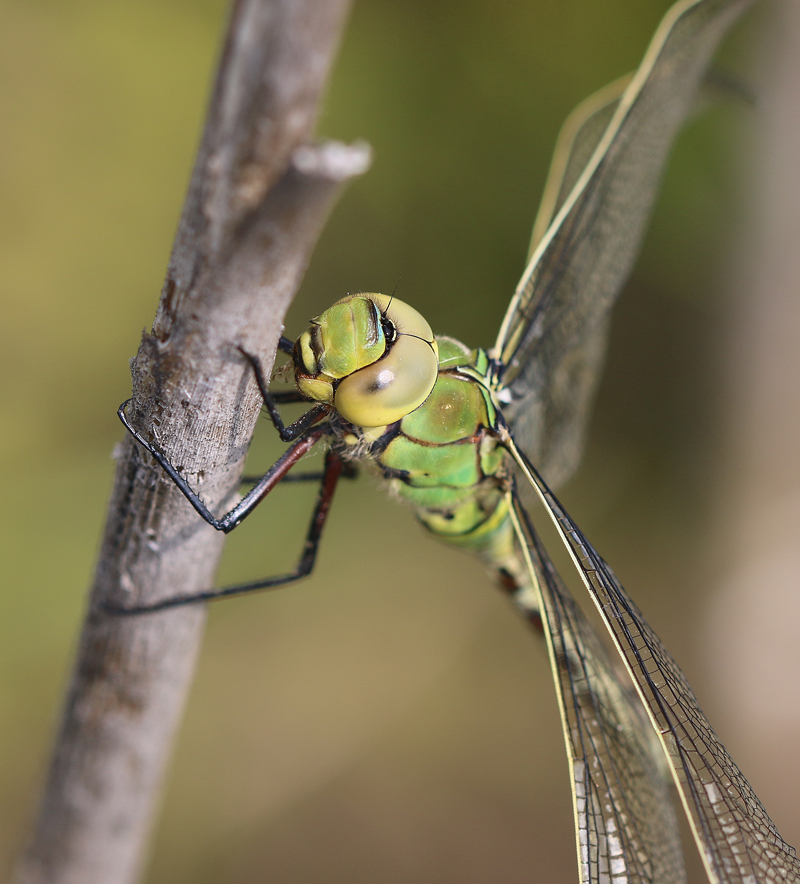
x,y
257,200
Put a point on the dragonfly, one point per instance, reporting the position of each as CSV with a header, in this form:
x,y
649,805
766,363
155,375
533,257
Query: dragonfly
x,y
459,434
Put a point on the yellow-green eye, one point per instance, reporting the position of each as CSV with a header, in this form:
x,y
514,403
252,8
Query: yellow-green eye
x,y
399,382
372,357
389,389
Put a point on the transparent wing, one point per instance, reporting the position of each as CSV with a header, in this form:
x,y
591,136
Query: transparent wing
x,y
738,842
552,339
576,142
625,822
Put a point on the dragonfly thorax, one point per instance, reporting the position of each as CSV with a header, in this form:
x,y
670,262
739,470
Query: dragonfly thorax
x,y
372,357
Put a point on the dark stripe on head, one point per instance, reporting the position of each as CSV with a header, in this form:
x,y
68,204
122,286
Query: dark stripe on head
x,y
374,324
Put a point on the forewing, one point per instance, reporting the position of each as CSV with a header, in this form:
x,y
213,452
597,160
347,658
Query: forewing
x,y
738,842
625,822
552,340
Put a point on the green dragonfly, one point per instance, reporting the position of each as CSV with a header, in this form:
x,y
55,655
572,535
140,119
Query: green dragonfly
x,y
455,433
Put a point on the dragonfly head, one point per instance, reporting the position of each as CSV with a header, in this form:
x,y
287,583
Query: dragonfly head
x,y
371,357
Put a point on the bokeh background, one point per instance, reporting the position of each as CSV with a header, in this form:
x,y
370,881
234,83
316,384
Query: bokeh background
x,y
390,719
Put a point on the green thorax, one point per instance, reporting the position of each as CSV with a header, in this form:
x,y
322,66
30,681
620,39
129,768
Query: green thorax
x,y
444,458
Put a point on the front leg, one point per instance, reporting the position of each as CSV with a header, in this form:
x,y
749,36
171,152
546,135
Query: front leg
x,y
250,501
301,433
292,431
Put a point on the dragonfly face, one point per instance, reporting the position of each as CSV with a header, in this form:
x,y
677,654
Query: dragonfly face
x,y
372,357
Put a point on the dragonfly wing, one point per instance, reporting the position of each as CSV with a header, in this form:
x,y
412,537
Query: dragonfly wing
x,y
576,142
738,842
552,339
625,822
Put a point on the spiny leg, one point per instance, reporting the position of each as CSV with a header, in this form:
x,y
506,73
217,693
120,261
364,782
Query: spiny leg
x,y
298,432
247,504
330,477
304,437
288,397
292,431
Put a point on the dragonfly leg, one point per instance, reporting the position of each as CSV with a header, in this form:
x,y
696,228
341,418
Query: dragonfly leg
x,y
260,490
291,431
287,397
334,466
349,471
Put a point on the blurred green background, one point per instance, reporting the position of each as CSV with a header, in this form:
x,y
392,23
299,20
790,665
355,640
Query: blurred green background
x,y
390,719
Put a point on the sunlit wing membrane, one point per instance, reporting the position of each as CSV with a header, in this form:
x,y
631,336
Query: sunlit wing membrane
x,y
625,822
552,339
738,842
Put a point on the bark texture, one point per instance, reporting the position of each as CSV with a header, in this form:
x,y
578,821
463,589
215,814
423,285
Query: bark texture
x,y
258,197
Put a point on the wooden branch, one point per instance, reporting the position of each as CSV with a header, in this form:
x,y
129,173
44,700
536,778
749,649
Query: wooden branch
x,y
258,197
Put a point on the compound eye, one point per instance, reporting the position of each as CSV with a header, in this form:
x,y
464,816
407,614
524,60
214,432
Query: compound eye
x,y
389,389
